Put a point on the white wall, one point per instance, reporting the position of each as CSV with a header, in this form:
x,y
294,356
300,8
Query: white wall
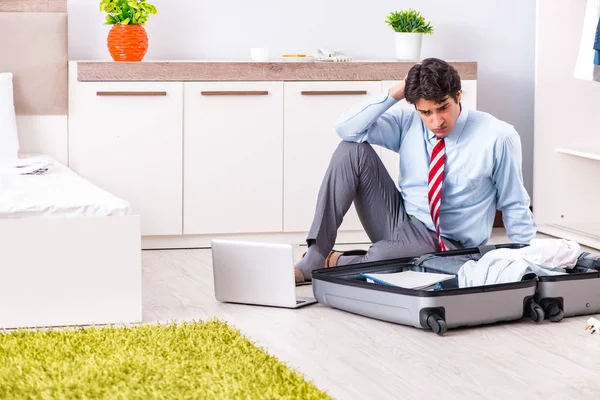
x,y
565,120
498,34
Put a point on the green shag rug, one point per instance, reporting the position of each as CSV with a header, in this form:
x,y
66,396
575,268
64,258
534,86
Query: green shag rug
x,y
204,360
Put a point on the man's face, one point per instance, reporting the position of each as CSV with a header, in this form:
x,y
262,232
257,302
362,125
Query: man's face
x,y
439,118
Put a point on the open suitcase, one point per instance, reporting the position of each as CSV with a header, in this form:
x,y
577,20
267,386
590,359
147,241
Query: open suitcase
x,y
344,288
576,293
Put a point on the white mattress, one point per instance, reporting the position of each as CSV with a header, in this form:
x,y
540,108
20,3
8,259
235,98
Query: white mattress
x,y
59,192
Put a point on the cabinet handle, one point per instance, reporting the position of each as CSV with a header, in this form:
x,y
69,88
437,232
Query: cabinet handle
x,y
131,93
331,92
234,93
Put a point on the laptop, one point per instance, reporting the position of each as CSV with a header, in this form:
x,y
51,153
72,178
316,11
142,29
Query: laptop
x,y
255,273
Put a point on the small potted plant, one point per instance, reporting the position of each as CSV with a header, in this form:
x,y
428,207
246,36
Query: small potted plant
x,y
127,39
410,26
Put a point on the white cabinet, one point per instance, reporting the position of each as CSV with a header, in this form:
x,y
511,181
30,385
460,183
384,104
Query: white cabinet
x,y
126,137
390,158
310,112
200,158
233,157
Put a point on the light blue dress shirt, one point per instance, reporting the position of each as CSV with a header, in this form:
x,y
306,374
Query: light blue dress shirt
x,y
482,171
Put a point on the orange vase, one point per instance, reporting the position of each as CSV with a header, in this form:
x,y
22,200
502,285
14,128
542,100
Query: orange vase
x,y
127,42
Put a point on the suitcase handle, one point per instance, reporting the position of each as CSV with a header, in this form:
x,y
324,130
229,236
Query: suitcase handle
x,y
486,248
482,250
423,258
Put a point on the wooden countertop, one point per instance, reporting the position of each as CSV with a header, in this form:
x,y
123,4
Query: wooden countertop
x,y
100,71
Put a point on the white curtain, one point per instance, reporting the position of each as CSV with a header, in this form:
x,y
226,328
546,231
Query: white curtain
x,y
588,60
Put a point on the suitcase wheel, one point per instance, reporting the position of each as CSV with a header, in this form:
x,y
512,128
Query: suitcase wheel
x,y
554,312
437,324
536,313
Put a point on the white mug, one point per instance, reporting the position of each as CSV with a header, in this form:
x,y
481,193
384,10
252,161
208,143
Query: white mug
x,y
259,54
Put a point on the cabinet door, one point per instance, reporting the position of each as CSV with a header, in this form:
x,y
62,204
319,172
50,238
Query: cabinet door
x,y
390,158
311,109
233,157
126,137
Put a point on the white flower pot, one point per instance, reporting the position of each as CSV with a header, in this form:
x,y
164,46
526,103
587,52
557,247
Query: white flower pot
x,y
408,46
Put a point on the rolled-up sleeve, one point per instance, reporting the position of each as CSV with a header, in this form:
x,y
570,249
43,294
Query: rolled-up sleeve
x,y
512,197
373,121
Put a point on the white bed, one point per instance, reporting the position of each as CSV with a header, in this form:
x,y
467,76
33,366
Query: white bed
x,y
56,192
70,252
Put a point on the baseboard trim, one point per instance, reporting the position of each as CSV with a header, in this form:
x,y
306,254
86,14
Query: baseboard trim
x,y
570,234
294,238
204,241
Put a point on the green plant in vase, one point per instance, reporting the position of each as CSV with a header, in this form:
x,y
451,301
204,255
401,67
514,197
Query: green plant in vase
x,y
409,27
127,40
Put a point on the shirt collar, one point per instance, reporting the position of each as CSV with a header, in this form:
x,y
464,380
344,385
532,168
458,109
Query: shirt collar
x,y
456,132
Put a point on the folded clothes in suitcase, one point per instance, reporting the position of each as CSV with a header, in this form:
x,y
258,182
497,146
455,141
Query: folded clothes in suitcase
x,y
449,306
575,293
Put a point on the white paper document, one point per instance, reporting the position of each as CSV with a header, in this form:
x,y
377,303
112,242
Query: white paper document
x,y
408,279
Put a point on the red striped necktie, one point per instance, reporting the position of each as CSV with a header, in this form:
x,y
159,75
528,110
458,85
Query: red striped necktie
x,y
436,178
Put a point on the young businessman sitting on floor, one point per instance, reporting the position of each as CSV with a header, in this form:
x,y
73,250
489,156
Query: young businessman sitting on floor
x,y
457,166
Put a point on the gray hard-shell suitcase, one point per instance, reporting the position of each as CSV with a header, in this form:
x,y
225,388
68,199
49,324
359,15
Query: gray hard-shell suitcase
x,y
344,288
572,294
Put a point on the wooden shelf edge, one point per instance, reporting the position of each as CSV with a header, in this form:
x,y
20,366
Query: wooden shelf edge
x,y
186,71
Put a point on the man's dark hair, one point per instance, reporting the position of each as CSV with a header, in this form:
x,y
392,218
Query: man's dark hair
x,y
432,79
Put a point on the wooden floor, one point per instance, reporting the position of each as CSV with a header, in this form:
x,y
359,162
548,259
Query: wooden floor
x,y
353,357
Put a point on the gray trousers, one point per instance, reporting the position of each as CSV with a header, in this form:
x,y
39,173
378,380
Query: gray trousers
x,y
356,173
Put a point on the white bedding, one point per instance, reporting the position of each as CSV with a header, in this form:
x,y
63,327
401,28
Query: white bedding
x,y
55,192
